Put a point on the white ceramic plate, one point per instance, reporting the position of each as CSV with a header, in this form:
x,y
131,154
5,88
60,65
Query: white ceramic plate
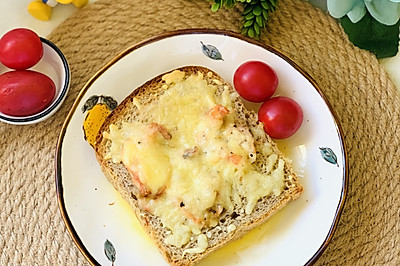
x,y
94,212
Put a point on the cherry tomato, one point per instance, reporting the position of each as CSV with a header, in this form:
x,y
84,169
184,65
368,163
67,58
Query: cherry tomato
x,y
281,116
255,81
20,49
25,92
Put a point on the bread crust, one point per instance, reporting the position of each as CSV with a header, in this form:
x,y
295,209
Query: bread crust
x,y
119,176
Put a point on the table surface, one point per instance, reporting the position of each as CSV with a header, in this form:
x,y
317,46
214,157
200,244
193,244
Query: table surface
x,y
368,115
16,15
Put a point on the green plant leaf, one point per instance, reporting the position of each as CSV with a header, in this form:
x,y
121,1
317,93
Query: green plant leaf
x,y
249,16
247,9
260,21
248,23
264,5
215,7
257,29
265,14
230,3
373,36
257,10
254,14
250,33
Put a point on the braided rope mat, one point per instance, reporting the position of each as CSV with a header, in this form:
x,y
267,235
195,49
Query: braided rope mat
x,y
32,231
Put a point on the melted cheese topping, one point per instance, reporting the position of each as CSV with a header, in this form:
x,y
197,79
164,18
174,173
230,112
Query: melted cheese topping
x,y
190,161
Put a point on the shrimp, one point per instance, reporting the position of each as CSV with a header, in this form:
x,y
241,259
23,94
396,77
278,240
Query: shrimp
x,y
209,127
188,153
235,158
188,214
132,160
244,138
143,190
218,112
155,127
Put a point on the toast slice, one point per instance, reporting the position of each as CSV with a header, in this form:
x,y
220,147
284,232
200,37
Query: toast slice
x,y
232,184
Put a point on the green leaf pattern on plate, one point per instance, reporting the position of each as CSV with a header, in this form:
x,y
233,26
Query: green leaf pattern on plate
x,y
211,51
110,252
92,101
110,102
329,155
95,99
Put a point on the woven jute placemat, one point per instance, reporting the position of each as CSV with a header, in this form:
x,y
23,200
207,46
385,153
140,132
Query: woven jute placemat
x,y
366,102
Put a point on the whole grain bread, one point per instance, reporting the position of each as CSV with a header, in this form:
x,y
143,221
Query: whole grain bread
x,y
118,175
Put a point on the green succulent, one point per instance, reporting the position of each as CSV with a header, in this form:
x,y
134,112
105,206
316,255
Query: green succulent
x,y
254,16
